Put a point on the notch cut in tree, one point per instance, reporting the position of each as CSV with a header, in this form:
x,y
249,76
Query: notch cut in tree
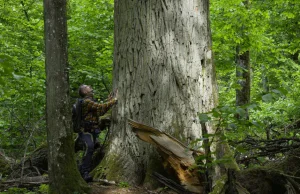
x,y
176,155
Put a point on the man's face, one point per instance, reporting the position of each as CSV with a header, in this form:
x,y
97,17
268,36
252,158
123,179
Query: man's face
x,y
88,91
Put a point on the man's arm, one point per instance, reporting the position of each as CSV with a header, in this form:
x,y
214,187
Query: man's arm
x,y
101,109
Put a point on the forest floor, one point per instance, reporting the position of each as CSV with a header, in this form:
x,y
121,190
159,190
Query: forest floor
x,y
98,188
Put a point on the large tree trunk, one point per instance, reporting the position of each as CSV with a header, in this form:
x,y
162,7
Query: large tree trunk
x,y
63,174
164,74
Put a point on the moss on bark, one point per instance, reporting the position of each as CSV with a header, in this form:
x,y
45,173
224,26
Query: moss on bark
x,y
109,168
65,177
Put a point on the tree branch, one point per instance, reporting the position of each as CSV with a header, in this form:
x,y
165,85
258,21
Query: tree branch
x,y
25,11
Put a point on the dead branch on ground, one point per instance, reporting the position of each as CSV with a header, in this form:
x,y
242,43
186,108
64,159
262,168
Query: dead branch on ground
x,y
175,154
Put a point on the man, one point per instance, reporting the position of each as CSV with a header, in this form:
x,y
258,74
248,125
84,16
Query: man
x,y
91,111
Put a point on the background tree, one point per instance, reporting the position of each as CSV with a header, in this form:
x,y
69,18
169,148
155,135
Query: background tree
x,y
63,174
164,74
242,60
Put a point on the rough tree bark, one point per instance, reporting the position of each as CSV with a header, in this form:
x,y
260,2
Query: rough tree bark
x,y
164,74
63,174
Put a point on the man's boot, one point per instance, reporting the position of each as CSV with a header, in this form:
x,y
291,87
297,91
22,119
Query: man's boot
x,y
87,177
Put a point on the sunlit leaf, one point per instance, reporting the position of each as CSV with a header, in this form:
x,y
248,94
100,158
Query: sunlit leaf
x,y
203,117
267,98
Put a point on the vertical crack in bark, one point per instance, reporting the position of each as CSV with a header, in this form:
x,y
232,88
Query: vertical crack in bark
x,y
164,5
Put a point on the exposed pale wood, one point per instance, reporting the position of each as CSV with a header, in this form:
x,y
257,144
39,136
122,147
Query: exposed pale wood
x,y
175,154
105,182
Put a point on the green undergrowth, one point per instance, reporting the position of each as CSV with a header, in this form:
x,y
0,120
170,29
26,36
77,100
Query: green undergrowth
x,y
42,189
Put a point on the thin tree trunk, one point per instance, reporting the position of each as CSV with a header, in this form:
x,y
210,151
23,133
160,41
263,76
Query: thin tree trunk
x,y
63,174
243,76
164,74
243,70
264,80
